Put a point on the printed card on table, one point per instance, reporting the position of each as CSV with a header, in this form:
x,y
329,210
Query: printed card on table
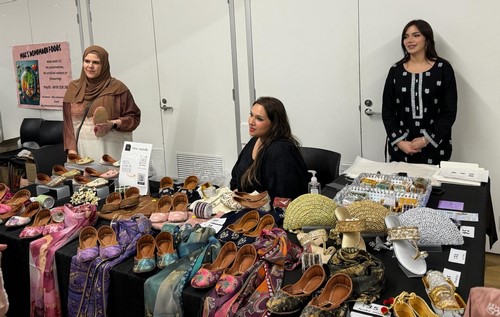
x,y
134,165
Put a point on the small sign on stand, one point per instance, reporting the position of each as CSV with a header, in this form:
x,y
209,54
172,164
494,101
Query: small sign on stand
x,y
134,165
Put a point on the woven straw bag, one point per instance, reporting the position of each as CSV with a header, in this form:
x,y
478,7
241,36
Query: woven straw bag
x,y
374,214
310,210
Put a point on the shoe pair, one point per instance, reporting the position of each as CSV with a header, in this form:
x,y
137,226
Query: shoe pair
x,y
241,200
411,305
171,209
43,224
16,204
167,186
315,242
88,248
25,216
247,228
210,273
292,298
146,259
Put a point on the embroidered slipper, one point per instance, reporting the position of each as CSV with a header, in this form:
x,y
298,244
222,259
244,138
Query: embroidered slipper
x,y
42,179
58,180
84,160
163,207
87,248
73,157
166,186
117,163
24,217
92,172
98,182
59,169
109,174
145,260
80,179
107,160
42,218
100,115
165,247
71,174
109,247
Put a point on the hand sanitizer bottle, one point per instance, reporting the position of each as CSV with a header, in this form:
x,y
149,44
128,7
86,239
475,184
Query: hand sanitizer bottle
x,y
314,187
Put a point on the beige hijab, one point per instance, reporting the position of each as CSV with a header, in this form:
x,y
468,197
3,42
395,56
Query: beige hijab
x,y
100,90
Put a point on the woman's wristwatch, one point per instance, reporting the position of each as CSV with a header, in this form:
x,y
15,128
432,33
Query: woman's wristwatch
x,y
115,126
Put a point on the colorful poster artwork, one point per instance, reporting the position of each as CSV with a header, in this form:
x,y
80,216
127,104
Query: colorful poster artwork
x,y
43,72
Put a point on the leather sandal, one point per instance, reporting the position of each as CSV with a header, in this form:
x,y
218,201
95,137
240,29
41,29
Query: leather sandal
x,y
293,297
244,224
166,253
109,247
404,241
112,202
145,259
210,273
87,247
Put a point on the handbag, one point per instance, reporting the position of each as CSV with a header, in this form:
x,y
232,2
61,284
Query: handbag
x,y
310,210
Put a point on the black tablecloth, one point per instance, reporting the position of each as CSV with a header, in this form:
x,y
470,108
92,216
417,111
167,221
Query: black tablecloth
x,y
126,293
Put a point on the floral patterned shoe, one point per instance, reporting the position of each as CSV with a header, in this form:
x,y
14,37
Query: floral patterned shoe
x,y
109,247
166,186
189,186
166,254
88,248
210,273
145,260
232,278
293,297
25,217
36,229
246,223
331,302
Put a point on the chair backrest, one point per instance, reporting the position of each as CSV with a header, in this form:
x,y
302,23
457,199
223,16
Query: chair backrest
x,y
30,130
326,163
51,132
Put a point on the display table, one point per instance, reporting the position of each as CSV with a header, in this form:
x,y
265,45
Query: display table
x,y
126,295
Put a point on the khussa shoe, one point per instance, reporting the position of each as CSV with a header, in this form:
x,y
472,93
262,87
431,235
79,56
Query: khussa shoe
x,y
106,159
244,224
73,158
163,207
166,251
189,185
293,297
417,306
210,273
109,247
259,201
166,186
145,260
35,230
331,300
231,279
112,202
131,198
25,217
266,222
100,115
16,204
179,211
87,248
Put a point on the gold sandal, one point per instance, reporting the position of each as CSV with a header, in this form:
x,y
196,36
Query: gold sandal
x,y
315,242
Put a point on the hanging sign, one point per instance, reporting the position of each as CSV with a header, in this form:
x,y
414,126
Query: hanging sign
x,y
42,72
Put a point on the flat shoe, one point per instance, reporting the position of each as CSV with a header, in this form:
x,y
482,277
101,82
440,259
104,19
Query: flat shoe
x,y
110,174
42,179
165,247
59,169
109,247
107,160
179,211
98,182
56,181
131,198
42,218
166,186
266,222
244,224
24,217
293,297
16,203
91,172
87,248
145,259
84,160
80,179
231,278
4,189
112,202
210,273
336,291
72,173
73,158
100,115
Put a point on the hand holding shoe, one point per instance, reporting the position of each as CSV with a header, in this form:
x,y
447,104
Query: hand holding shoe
x,y
102,129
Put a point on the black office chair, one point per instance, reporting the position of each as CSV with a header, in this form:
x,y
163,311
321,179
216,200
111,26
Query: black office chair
x,y
326,163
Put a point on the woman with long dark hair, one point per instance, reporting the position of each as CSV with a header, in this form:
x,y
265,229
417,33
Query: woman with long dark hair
x,y
420,100
271,160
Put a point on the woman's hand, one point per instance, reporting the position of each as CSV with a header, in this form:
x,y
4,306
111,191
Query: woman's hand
x,y
102,129
406,147
419,143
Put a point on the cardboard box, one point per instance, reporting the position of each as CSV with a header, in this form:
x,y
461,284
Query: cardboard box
x,y
30,171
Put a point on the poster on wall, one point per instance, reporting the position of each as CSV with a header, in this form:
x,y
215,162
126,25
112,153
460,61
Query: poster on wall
x,y
43,72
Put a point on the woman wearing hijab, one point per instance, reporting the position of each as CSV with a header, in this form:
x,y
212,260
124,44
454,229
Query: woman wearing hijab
x,y
99,111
